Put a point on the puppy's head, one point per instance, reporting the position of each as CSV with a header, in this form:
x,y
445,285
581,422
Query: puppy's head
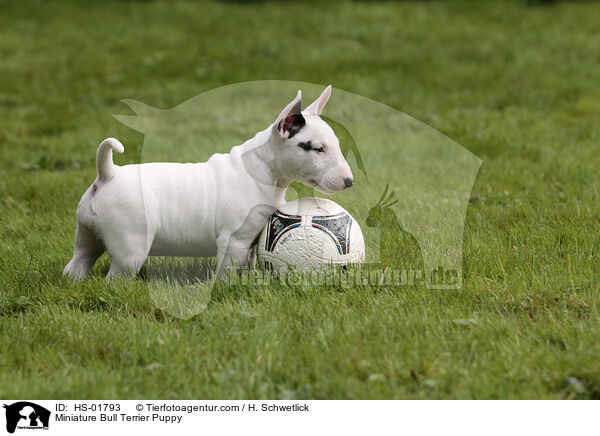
x,y
308,150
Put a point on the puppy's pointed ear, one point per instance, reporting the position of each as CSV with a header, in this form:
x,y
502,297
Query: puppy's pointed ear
x,y
316,108
290,120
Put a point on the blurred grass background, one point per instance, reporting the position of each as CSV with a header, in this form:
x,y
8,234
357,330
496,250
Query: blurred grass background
x,y
514,82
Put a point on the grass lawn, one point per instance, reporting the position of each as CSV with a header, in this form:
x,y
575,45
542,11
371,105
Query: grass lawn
x,y
517,85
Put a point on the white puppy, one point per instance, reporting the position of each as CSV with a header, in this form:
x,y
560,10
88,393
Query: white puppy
x,y
218,207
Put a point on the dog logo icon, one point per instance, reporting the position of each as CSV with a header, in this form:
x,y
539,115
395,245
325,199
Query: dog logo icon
x,y
26,415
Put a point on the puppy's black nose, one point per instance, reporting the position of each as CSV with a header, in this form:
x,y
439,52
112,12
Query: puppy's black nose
x,y
348,182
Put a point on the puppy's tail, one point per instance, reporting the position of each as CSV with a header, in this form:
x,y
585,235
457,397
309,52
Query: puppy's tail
x,y
104,162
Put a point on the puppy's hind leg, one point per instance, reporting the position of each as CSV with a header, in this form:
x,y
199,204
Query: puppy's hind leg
x,y
88,249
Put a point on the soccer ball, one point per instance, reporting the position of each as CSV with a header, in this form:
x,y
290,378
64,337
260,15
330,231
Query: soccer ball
x,y
310,234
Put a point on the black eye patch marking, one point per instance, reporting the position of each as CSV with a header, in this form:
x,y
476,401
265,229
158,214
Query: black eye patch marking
x,y
307,146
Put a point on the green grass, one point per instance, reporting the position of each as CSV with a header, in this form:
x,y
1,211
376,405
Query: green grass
x,y
516,85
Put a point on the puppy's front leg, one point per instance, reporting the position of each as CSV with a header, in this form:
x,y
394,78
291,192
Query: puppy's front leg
x,y
232,254
233,248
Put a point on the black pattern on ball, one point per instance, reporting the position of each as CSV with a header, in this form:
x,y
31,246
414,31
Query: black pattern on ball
x,y
337,227
280,223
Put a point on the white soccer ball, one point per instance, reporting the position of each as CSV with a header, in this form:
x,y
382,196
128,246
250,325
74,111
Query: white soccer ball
x,y
310,234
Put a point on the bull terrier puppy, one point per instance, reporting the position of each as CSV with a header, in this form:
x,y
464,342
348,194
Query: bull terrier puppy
x,y
215,208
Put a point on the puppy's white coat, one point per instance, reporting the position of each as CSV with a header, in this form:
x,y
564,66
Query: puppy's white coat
x,y
204,209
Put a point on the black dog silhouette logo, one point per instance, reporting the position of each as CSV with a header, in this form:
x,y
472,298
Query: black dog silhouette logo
x,y
26,415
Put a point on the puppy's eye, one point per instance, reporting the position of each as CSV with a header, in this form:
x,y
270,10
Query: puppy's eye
x,y
308,146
